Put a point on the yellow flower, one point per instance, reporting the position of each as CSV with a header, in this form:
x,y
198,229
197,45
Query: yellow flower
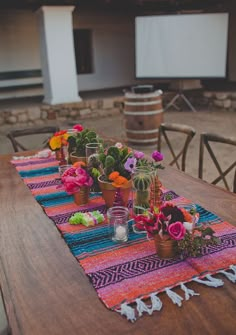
x,y
55,142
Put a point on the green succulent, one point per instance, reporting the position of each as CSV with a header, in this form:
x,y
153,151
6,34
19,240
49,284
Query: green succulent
x,y
77,142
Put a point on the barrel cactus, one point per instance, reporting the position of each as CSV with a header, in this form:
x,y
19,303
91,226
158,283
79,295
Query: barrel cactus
x,y
142,182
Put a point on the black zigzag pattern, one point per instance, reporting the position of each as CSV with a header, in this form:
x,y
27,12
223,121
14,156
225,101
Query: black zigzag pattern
x,y
117,273
226,242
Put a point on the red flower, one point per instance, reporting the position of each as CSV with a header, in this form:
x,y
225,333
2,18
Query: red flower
x,y
78,127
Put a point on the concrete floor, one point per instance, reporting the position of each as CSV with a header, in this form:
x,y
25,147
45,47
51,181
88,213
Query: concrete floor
x,y
213,120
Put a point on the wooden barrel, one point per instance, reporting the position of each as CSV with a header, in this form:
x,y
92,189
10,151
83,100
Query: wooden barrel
x,y
143,115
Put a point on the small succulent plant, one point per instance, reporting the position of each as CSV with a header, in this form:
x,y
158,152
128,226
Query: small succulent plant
x,y
77,141
113,160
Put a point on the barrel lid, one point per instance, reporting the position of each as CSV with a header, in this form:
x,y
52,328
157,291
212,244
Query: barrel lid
x,y
142,89
156,93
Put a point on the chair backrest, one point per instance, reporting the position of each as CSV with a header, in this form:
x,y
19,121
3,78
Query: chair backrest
x,y
18,146
187,131
206,140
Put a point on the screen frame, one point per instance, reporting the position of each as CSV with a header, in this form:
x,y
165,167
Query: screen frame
x,y
184,77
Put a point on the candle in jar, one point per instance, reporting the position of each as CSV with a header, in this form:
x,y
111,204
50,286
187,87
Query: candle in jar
x,y
120,233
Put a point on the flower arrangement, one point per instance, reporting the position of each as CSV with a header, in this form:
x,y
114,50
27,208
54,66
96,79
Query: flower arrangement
x,y
118,163
58,140
76,177
78,140
173,223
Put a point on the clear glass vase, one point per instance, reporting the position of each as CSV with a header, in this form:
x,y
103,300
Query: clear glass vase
x,y
142,180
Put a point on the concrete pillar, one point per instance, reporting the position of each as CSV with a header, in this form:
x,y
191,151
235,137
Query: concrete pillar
x,y
57,54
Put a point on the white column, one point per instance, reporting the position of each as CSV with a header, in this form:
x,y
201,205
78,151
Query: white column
x,y
57,54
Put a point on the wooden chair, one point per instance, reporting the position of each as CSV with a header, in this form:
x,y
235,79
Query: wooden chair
x,y
234,189
187,131
205,140
18,146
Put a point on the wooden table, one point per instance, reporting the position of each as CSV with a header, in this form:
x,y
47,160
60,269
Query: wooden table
x,y
46,291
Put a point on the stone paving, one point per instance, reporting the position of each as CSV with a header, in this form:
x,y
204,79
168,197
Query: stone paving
x,y
204,120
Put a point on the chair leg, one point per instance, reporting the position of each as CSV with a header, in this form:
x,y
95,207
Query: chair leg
x,y
201,153
234,189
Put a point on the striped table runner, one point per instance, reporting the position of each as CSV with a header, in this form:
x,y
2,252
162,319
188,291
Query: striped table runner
x,y
129,277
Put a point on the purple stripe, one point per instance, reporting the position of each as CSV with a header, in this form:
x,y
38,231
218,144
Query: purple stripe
x,y
40,161
43,184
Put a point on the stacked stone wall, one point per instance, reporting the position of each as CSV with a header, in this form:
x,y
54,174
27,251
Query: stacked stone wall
x,y
222,100
42,113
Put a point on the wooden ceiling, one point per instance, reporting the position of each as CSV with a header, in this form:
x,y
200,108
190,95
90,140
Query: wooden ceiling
x,y
157,5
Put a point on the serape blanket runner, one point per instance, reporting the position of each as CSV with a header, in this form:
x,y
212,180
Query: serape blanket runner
x,y
125,275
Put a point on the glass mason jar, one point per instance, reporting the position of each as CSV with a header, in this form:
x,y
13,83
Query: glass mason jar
x,y
118,223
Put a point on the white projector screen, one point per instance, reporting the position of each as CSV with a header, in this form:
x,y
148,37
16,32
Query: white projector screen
x,y
181,46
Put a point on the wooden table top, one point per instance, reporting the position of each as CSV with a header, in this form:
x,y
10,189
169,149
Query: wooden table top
x,y
46,291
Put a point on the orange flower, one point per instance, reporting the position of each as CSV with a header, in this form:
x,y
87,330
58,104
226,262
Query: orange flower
x,y
187,216
120,181
112,176
79,164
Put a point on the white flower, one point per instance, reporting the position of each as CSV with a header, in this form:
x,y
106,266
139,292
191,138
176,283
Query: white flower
x,y
119,145
188,226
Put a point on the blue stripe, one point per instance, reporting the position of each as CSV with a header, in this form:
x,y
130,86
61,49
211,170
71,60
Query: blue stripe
x,y
96,240
57,198
39,172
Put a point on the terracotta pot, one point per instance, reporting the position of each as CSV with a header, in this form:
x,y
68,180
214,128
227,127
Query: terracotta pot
x,y
74,158
109,191
166,248
61,155
82,197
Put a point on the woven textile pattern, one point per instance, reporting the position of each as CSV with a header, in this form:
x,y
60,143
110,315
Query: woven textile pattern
x,y
123,273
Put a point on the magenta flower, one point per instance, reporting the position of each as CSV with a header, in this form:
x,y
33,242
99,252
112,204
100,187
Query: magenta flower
x,y
130,164
138,154
157,156
75,178
176,230
78,127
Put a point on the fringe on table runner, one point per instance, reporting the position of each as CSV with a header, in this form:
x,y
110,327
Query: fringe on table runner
x,y
132,313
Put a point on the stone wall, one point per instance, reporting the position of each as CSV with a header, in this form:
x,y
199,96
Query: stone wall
x,y
42,113
222,100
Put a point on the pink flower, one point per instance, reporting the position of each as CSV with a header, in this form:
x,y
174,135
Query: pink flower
x,y
157,156
138,154
78,127
176,230
75,178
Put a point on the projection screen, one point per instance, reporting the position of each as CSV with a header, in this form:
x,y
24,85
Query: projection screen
x,y
181,46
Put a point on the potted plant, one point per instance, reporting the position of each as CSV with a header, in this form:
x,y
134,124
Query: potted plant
x,y
58,143
118,164
174,231
77,181
78,140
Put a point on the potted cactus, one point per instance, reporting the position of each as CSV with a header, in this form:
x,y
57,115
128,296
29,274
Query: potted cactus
x,y
115,177
142,180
